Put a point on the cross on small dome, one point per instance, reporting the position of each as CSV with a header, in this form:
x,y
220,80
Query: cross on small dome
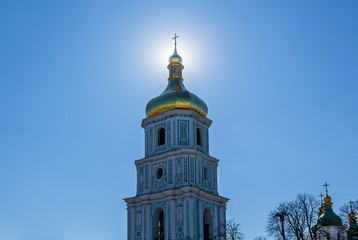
x,y
175,58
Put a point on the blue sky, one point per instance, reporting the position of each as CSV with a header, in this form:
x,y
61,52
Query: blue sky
x,y
279,78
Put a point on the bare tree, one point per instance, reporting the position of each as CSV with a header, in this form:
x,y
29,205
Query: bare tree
x,y
308,205
294,219
277,225
345,209
230,231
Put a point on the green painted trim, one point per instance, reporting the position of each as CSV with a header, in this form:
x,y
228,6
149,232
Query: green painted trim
x,y
196,173
129,224
218,218
169,222
151,158
176,115
185,142
187,219
197,219
152,226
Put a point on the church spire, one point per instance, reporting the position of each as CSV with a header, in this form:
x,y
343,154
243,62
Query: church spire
x,y
352,215
175,42
326,185
175,95
327,199
175,66
328,217
175,58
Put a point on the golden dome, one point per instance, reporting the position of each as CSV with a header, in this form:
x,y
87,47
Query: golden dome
x,y
175,58
175,95
327,202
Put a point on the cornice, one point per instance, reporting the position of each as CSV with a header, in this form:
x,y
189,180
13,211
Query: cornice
x,y
176,113
171,194
180,151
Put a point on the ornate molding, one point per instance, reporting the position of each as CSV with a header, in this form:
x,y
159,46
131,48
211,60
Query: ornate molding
x,y
162,205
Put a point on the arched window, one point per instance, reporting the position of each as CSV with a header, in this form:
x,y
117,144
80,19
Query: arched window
x,y
207,217
159,173
158,224
161,137
205,173
198,137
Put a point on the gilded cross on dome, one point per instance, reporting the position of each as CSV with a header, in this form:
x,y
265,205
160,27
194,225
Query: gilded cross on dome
x,y
321,195
326,185
175,39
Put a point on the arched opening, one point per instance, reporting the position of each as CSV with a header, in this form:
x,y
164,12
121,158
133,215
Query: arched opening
x,y
207,221
198,137
161,137
205,173
158,224
159,173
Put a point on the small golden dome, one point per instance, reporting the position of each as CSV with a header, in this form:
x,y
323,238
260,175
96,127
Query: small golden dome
x,y
175,58
327,199
327,202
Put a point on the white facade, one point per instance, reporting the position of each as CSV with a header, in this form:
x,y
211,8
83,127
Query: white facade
x,y
331,233
177,192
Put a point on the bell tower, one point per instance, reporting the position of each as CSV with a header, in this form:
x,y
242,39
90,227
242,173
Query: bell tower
x,y
177,192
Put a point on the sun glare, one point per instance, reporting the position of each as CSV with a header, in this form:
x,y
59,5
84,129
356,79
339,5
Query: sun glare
x,y
161,50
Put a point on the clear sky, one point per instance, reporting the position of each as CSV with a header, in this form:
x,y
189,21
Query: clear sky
x,y
279,78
